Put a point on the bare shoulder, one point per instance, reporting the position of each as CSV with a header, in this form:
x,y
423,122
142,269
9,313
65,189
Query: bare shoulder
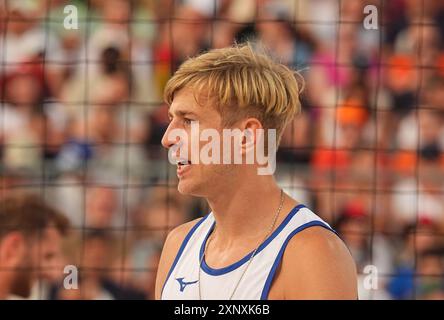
x,y
316,264
169,252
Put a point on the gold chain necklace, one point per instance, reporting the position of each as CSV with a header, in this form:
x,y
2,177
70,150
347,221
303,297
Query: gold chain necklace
x,y
252,255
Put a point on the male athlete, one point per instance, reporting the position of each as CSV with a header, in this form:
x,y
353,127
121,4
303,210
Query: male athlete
x,y
30,242
257,242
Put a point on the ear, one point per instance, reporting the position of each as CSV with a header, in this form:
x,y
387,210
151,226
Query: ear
x,y
250,127
12,248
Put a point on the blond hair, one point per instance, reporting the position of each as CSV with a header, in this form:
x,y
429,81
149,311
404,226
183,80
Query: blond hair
x,y
242,83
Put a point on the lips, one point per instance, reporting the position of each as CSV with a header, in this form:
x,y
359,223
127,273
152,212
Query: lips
x,y
183,162
183,165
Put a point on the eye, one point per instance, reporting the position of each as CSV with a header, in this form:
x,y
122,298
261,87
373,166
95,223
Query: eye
x,y
187,121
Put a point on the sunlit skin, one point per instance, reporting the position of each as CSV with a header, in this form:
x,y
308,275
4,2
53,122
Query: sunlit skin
x,y
243,204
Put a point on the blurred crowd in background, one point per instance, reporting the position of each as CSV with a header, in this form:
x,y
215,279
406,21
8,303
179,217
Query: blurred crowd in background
x,y
82,116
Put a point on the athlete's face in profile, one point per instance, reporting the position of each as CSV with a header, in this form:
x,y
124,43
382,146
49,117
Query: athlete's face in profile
x,y
195,178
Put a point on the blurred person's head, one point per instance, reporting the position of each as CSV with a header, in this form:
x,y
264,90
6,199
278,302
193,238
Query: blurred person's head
x,y
117,12
352,10
113,86
223,34
9,180
422,39
110,60
430,125
20,14
400,73
351,118
24,89
160,195
113,91
421,236
434,91
430,267
30,240
430,262
347,41
97,251
162,215
421,9
188,32
93,251
276,30
97,254
430,148
101,206
362,158
102,123
353,226
274,24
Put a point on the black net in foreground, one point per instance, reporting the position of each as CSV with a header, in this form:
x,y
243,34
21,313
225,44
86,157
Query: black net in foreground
x,y
83,116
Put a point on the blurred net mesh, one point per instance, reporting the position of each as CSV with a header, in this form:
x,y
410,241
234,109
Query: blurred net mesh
x,y
82,118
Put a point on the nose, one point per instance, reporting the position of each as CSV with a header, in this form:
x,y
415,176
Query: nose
x,y
169,140
166,142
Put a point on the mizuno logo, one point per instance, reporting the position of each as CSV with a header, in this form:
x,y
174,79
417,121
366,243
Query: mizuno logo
x,y
183,283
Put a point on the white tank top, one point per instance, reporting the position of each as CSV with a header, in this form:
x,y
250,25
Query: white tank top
x,y
182,280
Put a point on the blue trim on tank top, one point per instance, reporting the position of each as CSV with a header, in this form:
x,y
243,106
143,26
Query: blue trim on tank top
x,y
267,286
218,272
182,248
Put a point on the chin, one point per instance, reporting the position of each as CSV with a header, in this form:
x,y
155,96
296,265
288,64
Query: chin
x,y
189,189
185,189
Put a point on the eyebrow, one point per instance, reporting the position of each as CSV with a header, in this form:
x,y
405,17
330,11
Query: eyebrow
x,y
182,113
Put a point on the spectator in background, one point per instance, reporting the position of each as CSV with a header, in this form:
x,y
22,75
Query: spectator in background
x,y
281,38
30,240
101,210
418,253
367,247
112,32
184,36
157,214
294,47
31,130
100,129
422,130
351,121
24,94
96,271
116,58
430,285
162,215
162,209
417,193
108,84
434,92
26,41
116,30
421,35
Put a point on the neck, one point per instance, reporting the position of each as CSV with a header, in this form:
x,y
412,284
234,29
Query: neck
x,y
247,210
